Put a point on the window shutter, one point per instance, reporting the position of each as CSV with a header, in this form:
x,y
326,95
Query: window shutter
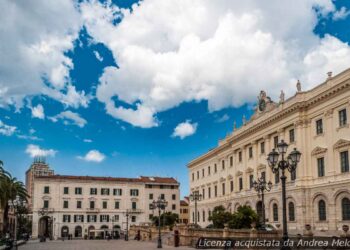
x,y
75,218
68,218
101,218
107,218
88,218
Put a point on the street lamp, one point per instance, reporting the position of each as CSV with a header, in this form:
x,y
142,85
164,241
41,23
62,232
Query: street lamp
x,y
15,204
160,204
261,186
195,196
289,164
126,238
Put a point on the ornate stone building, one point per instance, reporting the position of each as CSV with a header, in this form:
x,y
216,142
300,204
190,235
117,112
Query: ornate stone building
x,y
184,216
318,193
86,206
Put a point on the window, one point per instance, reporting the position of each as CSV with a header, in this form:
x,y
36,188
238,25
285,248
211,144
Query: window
x,y
342,117
215,191
291,136
104,204
46,204
66,218
66,190
65,204
92,204
117,191
262,147
277,177
173,197
345,205
250,150
344,161
78,218
93,191
215,168
209,192
223,164
275,141
150,196
231,161
251,180
150,206
209,170
78,190
91,218
104,218
78,204
197,175
203,173
320,166
240,156
203,193
173,207
134,192
263,175
293,175
231,186
322,215
192,216
104,191
162,196
116,205
46,190
133,218
192,176
203,213
116,218
223,188
240,183
275,212
133,205
291,214
319,127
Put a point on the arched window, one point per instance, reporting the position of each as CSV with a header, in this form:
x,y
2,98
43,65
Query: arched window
x,y
291,211
322,210
275,212
345,204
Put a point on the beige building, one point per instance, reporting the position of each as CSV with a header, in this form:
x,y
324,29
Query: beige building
x,y
318,193
184,216
86,206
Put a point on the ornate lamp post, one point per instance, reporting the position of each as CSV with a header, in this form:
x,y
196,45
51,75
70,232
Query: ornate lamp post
x,y
14,204
261,186
160,204
290,163
127,225
195,196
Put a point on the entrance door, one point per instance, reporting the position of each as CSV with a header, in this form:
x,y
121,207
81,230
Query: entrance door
x,y
45,227
64,232
78,232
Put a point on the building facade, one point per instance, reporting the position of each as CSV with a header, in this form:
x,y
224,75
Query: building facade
x,y
184,217
316,122
84,206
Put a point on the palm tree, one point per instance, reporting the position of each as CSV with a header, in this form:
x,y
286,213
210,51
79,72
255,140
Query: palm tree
x,y
10,188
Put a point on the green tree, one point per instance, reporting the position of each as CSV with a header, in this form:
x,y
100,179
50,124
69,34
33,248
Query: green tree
x,y
166,219
244,217
220,217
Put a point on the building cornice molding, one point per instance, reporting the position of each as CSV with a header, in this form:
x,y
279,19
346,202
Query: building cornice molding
x,y
341,144
318,151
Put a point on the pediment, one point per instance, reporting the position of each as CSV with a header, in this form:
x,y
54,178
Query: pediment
x,y
318,150
341,143
230,177
239,173
249,170
261,166
222,179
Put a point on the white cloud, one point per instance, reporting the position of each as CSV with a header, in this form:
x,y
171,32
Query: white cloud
x,y
87,140
223,118
69,117
7,130
185,129
98,56
38,111
221,51
35,150
341,14
34,39
93,156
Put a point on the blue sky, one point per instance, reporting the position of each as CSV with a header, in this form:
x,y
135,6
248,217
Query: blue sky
x,y
116,80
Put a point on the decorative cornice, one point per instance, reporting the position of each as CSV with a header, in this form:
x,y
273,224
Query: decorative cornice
x,y
239,173
249,170
318,150
341,143
261,166
229,177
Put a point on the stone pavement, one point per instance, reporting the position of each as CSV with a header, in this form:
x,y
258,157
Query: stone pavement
x,y
93,245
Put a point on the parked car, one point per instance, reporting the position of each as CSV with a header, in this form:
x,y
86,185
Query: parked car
x,y
267,228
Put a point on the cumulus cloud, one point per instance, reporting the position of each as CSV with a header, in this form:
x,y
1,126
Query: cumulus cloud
x,y
221,51
34,39
93,156
223,118
185,129
38,111
35,150
68,117
341,14
7,130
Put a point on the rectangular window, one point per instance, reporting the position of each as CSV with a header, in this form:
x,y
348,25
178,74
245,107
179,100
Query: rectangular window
x,y
231,161
215,168
66,190
275,142
104,191
216,191
116,205
162,196
78,190
134,192
319,127
240,156
66,218
46,190
78,204
291,136
320,167
65,204
342,118
231,186
192,176
78,218
209,192
240,183
133,205
92,218
173,207
93,191
117,191
209,170
150,196
173,197
344,161
263,175
92,204
133,218
104,218
104,204
250,150
46,204
202,172
277,177
251,180
223,164
262,147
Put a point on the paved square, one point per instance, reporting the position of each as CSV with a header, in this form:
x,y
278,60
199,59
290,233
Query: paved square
x,y
93,245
